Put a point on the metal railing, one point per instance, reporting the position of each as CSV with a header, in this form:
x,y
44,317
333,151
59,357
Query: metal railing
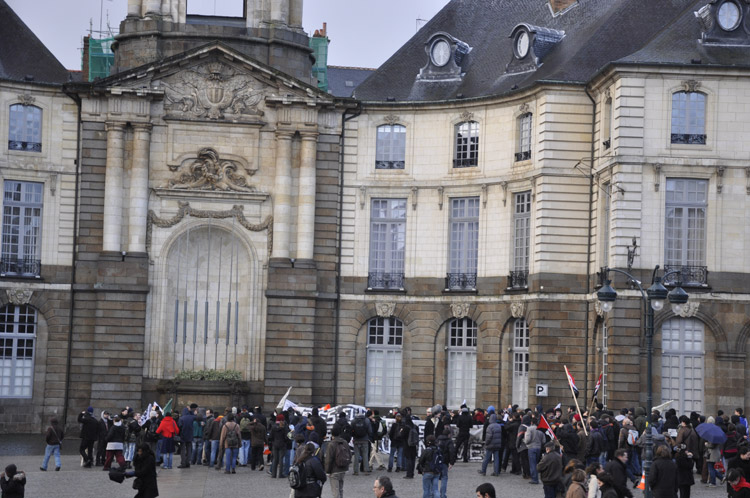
x,y
389,164
688,138
523,156
461,281
518,279
465,162
27,146
24,267
385,281
687,276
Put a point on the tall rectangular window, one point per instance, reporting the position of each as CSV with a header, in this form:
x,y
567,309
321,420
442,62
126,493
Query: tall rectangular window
x,y
387,243
606,199
607,123
524,137
390,152
22,225
521,363
688,118
17,345
25,128
685,235
521,240
464,244
467,145
462,363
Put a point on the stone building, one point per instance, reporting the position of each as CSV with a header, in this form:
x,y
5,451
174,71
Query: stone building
x,y
435,237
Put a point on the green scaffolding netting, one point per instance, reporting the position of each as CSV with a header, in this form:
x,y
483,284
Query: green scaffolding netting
x,y
101,57
320,68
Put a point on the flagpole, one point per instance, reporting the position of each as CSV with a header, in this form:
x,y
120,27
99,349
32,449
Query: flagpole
x,y
572,392
596,391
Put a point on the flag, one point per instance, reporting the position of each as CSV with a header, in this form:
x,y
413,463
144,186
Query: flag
x,y
558,406
281,406
168,407
571,381
145,415
544,426
597,386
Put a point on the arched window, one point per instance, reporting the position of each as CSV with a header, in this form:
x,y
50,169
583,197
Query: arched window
x,y
521,363
25,128
682,364
384,346
689,118
524,137
462,362
391,147
467,145
17,338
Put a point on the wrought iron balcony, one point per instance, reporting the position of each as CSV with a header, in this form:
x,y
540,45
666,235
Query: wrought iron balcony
x,y
688,138
27,146
688,276
607,143
389,164
20,267
461,281
523,156
465,162
385,281
518,279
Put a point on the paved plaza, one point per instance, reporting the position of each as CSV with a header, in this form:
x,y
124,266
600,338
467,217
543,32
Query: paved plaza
x,y
201,482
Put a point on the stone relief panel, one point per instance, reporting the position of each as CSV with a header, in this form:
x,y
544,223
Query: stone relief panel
x,y
517,309
210,172
19,296
385,310
460,310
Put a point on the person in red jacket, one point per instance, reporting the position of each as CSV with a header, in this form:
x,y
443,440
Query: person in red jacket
x,y
168,430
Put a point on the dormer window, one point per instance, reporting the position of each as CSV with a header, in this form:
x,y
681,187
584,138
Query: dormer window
x,y
720,21
729,16
446,56
531,44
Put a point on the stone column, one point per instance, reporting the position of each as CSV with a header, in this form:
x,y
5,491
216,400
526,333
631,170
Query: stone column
x,y
153,7
166,8
181,11
138,211
282,196
134,8
295,13
111,236
280,11
306,198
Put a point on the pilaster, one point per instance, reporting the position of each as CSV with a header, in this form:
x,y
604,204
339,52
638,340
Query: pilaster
x,y
282,202
139,188
306,198
113,187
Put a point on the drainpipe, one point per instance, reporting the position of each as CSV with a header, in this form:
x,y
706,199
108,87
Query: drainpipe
x,y
337,320
71,311
588,246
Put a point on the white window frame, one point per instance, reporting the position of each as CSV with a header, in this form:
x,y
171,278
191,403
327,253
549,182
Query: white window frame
x,y
521,230
463,248
521,340
18,333
25,128
21,241
683,364
466,145
525,122
606,214
685,225
387,243
607,124
384,361
462,363
688,120
390,147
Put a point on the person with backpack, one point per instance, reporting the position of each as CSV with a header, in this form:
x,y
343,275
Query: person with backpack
x,y
338,457
306,475
448,451
53,437
493,443
362,432
411,436
231,440
244,420
430,465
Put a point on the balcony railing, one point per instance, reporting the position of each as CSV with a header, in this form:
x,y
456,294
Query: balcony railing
x,y
20,267
688,138
27,146
518,279
523,156
688,276
607,143
461,281
385,281
465,162
389,164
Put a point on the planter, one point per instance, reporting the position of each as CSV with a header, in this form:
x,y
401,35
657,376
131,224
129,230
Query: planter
x,y
206,393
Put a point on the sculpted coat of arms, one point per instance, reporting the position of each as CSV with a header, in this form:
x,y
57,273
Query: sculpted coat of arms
x,y
212,91
210,172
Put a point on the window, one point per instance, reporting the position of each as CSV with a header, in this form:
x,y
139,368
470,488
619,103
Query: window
x,y
521,363
462,363
464,244
467,145
521,240
682,364
606,199
607,123
387,244
25,128
689,118
224,8
605,363
685,237
524,138
22,225
17,337
384,345
391,147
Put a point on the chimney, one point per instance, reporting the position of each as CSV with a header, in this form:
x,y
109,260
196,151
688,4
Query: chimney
x,y
558,6
85,59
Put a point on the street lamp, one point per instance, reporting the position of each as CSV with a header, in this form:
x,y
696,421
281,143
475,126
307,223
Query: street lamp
x,y
653,300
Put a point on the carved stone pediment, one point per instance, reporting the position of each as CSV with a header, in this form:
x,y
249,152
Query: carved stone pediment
x,y
210,172
212,91
19,296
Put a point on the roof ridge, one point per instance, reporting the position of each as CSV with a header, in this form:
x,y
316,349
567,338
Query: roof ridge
x,y
354,67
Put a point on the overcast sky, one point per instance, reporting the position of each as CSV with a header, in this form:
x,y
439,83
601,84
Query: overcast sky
x,y
363,33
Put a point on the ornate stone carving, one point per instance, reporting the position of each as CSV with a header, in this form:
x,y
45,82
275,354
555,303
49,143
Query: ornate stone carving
x,y
212,91
517,309
185,210
598,308
385,310
466,116
691,85
460,310
720,178
657,176
26,99
607,94
210,172
440,191
392,119
523,108
19,296
689,309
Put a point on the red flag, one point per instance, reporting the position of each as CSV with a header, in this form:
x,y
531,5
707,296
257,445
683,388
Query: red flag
x,y
598,385
571,381
544,426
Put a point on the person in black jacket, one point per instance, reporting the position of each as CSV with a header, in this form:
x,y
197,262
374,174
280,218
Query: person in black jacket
x,y
101,448
397,443
313,472
12,482
464,424
606,487
115,441
663,476
448,450
89,435
511,452
280,444
617,468
144,465
685,479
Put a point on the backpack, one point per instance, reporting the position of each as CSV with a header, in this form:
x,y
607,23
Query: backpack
x,y
297,476
342,456
233,440
436,462
245,427
632,437
151,436
359,428
382,430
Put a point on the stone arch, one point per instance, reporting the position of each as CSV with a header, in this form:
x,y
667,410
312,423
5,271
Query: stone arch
x,y
741,343
717,331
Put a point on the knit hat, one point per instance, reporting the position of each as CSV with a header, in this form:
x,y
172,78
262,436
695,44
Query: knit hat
x,y
490,409
280,418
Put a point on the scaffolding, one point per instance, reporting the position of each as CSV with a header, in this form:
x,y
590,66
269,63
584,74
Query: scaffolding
x,y
319,44
100,57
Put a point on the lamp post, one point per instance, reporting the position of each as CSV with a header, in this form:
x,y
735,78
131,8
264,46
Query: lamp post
x,y
653,300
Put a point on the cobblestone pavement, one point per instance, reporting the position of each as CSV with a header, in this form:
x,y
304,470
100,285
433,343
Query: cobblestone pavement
x,y
201,482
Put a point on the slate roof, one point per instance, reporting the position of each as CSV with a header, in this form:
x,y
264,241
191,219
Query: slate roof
x,y
597,33
22,54
339,78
